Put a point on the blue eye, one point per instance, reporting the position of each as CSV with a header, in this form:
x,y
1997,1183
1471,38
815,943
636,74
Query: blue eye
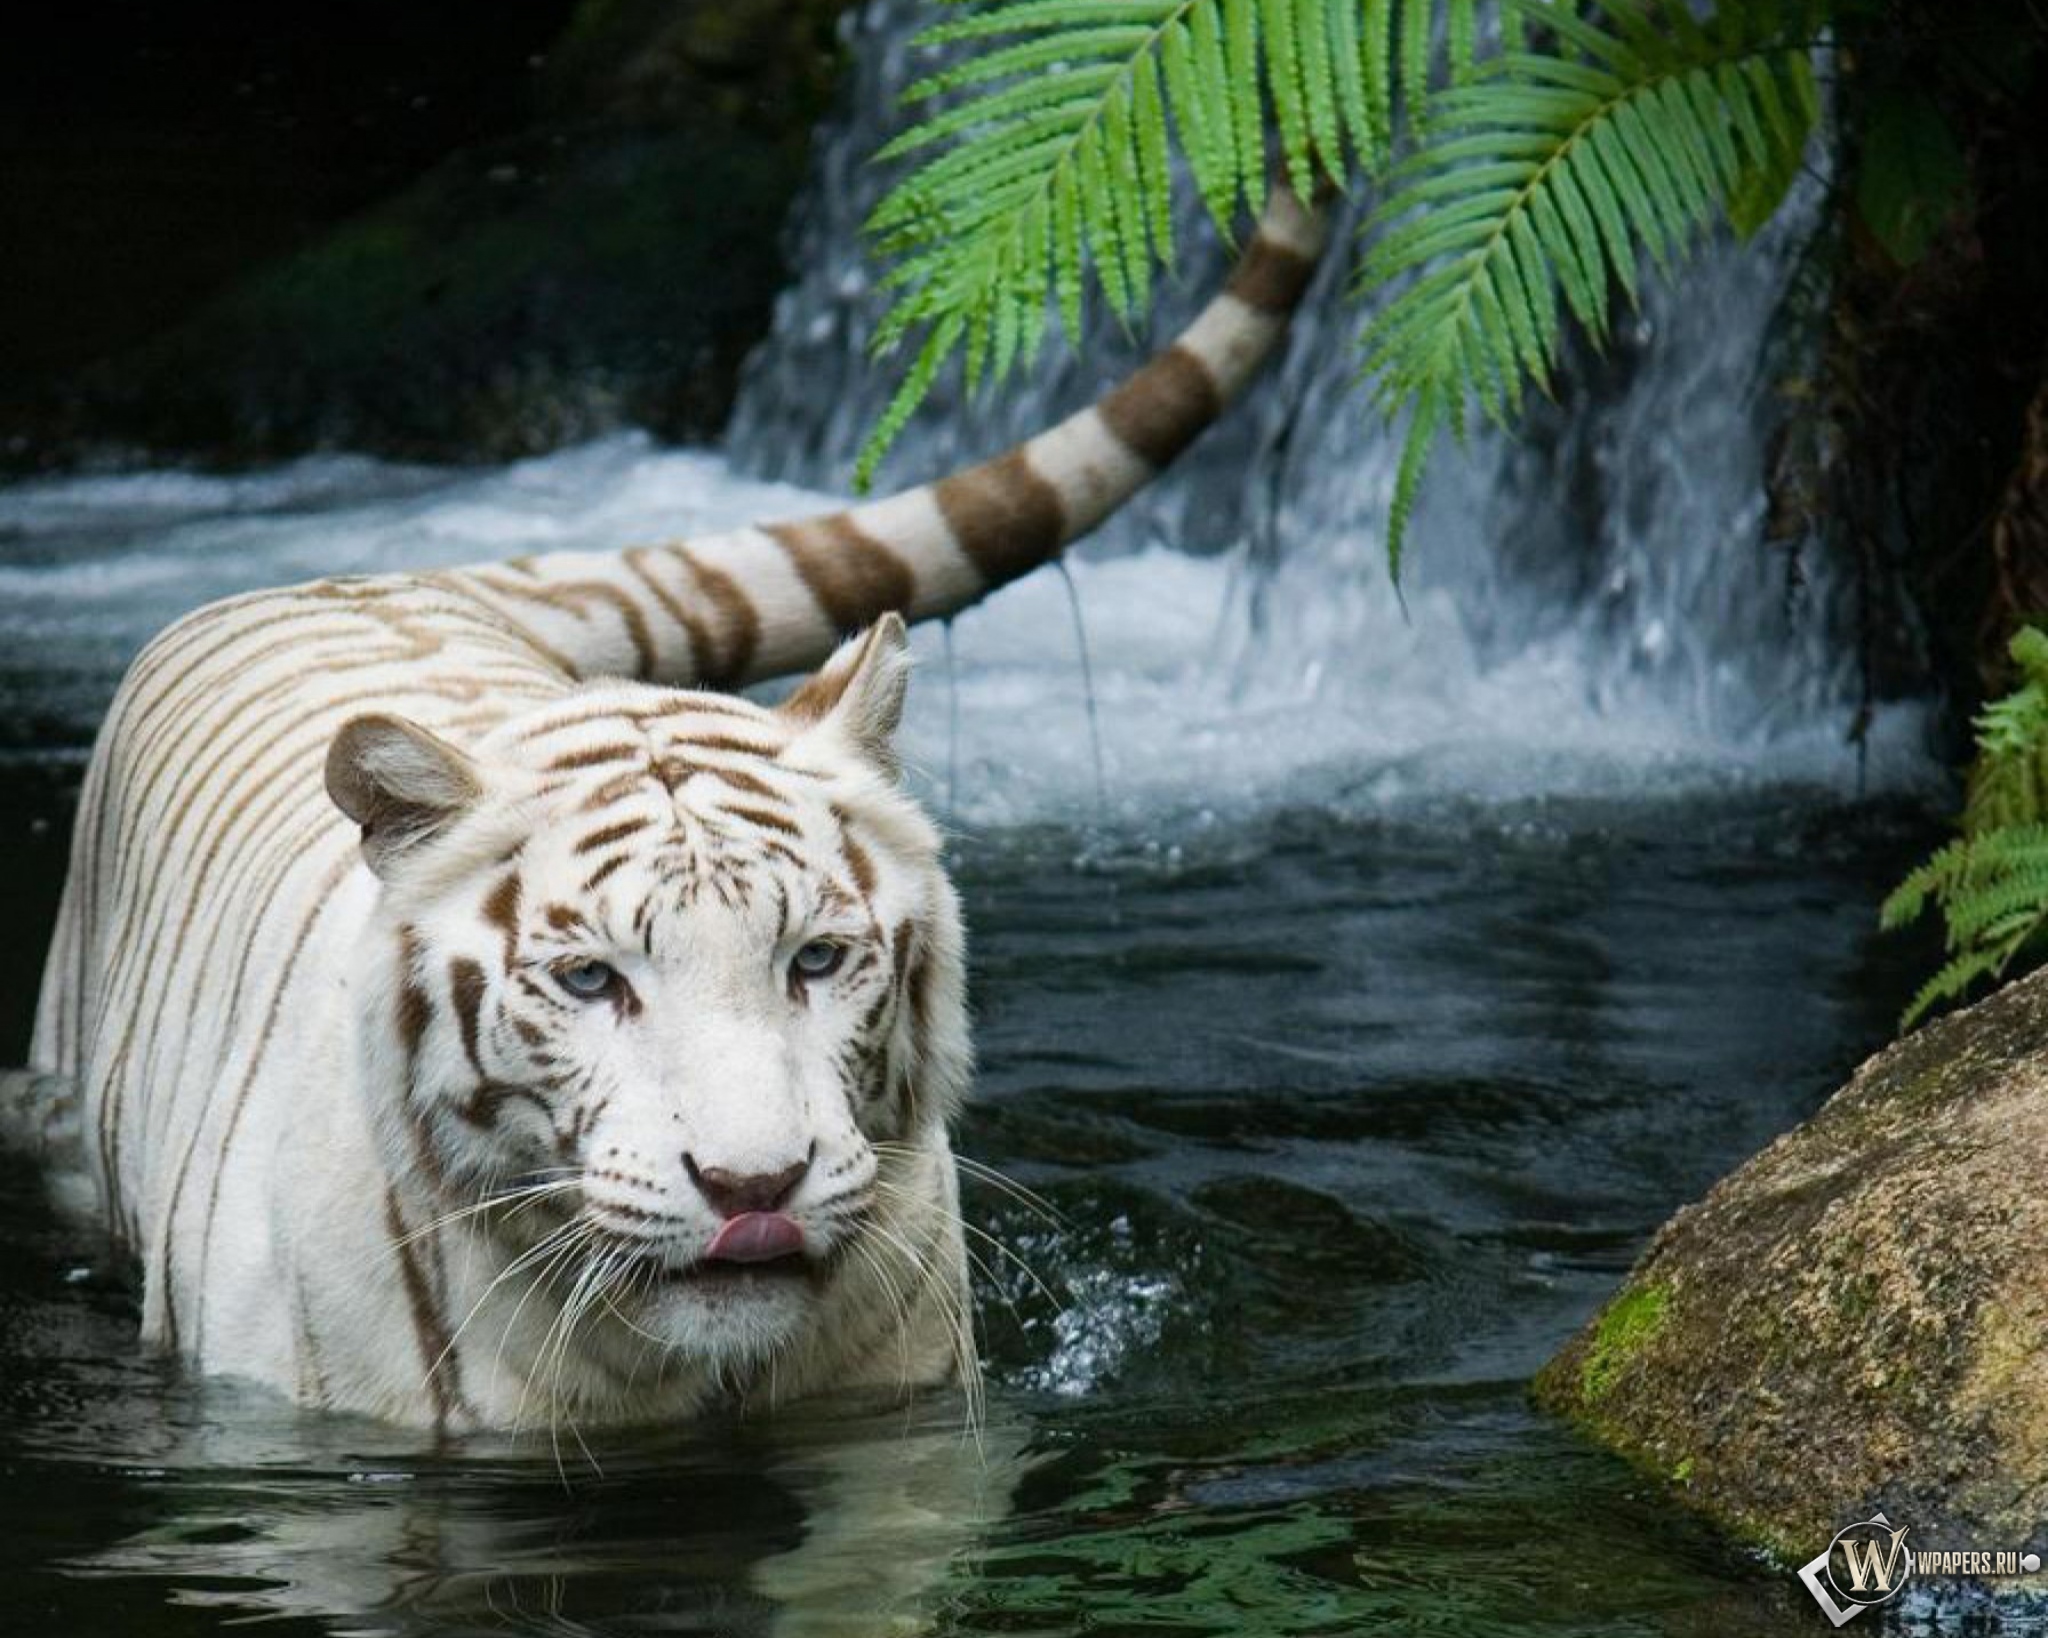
x,y
820,958
589,981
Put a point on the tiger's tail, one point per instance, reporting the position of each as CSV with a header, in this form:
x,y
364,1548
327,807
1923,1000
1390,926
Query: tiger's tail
x,y
732,608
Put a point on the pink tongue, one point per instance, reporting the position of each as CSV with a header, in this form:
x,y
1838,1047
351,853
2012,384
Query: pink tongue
x,y
755,1237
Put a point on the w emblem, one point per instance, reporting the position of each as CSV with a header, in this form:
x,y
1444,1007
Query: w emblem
x,y
1865,1564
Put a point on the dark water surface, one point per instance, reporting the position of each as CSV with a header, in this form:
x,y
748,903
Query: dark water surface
x,y
1344,1125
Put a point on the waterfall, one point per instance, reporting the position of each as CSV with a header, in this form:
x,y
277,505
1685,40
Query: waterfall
x,y
1587,607
1595,586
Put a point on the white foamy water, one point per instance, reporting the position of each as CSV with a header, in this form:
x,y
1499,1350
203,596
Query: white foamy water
x,y
1206,696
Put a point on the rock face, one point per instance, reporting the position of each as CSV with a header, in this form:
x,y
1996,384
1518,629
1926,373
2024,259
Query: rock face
x,y
1858,1317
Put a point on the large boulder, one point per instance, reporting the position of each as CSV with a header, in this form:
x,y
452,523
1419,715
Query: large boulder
x,y
1858,1318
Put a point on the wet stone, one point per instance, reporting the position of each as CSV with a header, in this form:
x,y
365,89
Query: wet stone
x,y
1853,1320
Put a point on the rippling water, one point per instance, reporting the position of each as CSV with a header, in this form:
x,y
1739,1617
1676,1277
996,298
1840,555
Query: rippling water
x,y
1355,1051
1344,1124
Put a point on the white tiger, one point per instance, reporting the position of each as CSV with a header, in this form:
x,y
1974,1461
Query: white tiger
x,y
602,1067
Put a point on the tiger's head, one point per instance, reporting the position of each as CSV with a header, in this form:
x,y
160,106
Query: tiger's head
x,y
675,979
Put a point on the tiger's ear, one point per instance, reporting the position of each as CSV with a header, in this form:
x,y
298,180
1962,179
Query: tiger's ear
x,y
402,784
858,695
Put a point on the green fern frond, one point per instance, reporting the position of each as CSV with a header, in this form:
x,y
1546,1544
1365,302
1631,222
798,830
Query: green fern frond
x,y
1042,166
1549,174
2009,780
1990,884
1951,983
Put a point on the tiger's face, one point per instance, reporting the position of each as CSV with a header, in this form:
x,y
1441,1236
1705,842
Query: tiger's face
x,y
677,979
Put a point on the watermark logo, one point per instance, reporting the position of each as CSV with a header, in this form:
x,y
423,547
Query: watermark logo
x,y
1869,1563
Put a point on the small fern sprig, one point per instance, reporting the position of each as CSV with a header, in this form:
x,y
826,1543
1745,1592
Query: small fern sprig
x,y
1544,180
1991,883
1044,164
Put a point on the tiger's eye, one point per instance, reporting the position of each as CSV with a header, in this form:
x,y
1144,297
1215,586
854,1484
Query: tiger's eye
x,y
820,958
589,981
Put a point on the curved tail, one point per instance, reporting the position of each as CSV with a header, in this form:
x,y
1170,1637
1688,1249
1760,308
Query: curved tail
x,y
724,610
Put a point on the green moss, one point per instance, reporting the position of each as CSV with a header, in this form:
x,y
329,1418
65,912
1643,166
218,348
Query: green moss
x,y
1856,1296
1631,1320
1682,1473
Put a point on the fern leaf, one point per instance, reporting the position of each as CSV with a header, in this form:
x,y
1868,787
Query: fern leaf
x,y
1154,162
1042,168
1313,38
1951,981
1347,23
1290,92
1461,33
1241,59
1377,67
1193,60
1621,142
1415,54
2029,651
1118,42
1990,883
1043,164
938,346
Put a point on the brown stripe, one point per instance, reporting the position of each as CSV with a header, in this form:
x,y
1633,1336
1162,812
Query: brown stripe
x,y
766,820
1006,517
466,987
561,725
854,577
424,1148
860,864
740,780
675,772
919,984
261,887
1270,278
573,598
413,1007
597,876
236,764
482,1109
595,756
501,910
741,625
612,833
703,658
613,790
435,1343
322,891
1163,407
738,747
693,703
479,590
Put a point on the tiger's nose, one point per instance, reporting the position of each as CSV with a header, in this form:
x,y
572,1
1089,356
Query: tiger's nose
x,y
732,1193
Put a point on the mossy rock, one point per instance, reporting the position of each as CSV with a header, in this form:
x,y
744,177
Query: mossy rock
x,y
1856,1318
